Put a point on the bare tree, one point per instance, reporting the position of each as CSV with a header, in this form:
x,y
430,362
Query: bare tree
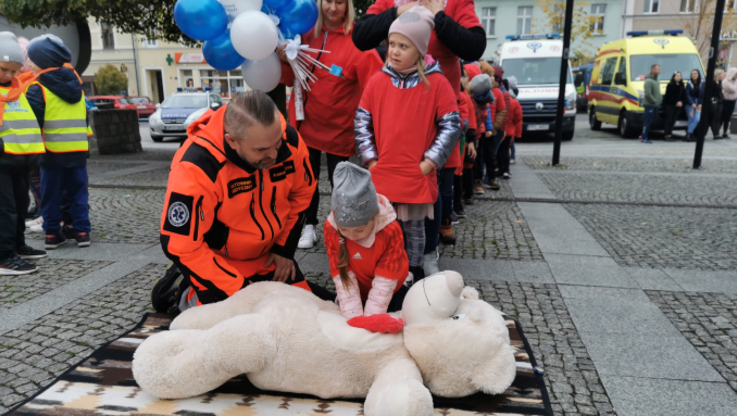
x,y
697,20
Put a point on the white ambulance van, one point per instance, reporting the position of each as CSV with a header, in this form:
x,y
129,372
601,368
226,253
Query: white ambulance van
x,y
535,61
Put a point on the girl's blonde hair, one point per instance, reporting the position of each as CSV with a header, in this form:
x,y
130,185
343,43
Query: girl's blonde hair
x,y
420,68
343,263
350,18
717,73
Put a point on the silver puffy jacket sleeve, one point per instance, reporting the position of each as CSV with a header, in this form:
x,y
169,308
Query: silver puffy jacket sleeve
x,y
363,127
449,132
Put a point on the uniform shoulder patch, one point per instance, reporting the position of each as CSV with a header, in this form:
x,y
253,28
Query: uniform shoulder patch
x,y
178,214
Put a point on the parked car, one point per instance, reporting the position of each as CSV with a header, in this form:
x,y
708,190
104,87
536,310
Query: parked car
x,y
111,101
176,113
143,105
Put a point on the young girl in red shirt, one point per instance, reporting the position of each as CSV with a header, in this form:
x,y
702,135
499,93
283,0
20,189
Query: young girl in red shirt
x,y
365,246
406,126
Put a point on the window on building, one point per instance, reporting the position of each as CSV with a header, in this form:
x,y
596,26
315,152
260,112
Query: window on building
x,y
108,36
224,83
598,11
524,20
688,6
149,43
488,21
652,6
558,18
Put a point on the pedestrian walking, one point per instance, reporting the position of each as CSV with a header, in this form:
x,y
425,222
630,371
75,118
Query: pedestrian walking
x,y
716,102
20,145
406,126
694,100
652,102
673,100
365,247
514,117
325,119
729,92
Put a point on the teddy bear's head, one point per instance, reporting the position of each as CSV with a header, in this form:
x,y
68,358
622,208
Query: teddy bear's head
x,y
459,342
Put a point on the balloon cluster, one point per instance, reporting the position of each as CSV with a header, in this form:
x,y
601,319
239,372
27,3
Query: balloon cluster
x,y
245,33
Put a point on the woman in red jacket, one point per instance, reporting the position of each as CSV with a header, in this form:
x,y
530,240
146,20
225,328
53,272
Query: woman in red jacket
x,y
326,124
406,127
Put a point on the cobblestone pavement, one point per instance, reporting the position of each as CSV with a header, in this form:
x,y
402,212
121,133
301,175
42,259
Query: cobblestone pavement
x,y
155,177
659,237
709,322
651,189
32,356
613,164
51,275
95,167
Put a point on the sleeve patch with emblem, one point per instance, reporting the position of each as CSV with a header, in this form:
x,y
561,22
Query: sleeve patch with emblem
x,y
179,214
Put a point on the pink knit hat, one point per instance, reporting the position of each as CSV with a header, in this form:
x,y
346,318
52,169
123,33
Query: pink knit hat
x,y
416,24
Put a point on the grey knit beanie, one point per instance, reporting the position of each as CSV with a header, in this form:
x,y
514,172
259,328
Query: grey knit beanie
x,y
480,84
354,196
10,50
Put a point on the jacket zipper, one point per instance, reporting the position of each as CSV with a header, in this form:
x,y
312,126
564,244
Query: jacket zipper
x,y
308,172
261,201
253,216
198,216
273,207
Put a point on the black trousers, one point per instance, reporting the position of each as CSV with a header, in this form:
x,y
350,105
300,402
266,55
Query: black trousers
x,y
671,115
502,155
485,156
727,110
333,160
14,202
716,118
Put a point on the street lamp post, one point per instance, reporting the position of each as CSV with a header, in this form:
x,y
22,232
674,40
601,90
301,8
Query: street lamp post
x,y
707,108
562,83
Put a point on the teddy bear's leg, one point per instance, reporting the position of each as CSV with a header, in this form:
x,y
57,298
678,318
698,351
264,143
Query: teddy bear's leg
x,y
398,391
189,362
241,303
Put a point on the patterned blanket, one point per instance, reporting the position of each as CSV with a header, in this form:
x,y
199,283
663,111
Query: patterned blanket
x,y
103,385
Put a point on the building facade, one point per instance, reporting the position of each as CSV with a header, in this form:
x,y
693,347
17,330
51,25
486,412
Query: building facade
x,y
155,68
501,18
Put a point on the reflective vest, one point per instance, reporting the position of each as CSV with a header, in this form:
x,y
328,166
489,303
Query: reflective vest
x,y
20,132
65,125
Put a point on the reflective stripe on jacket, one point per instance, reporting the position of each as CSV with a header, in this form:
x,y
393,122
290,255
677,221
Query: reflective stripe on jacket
x,y
65,125
19,132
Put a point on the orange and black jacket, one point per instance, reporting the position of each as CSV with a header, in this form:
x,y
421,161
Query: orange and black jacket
x,y
222,218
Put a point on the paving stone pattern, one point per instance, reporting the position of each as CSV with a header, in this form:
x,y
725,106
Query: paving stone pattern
x,y
154,177
126,215
709,322
52,274
32,356
95,167
663,237
630,164
644,188
146,155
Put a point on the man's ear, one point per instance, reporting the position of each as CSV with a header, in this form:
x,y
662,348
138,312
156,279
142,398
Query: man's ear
x,y
229,139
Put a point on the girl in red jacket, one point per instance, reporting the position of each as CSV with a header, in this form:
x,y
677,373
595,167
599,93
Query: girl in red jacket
x,y
365,246
406,125
514,118
326,119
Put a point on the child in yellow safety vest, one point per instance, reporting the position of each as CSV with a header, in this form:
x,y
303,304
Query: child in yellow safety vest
x,y
58,102
20,145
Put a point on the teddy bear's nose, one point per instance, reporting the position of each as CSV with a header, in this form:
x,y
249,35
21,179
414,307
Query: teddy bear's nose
x,y
454,282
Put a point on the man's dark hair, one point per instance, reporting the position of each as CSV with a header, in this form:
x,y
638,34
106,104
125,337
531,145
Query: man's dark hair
x,y
247,109
653,67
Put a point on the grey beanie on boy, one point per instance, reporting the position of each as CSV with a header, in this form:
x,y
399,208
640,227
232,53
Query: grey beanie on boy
x,y
480,84
354,196
10,50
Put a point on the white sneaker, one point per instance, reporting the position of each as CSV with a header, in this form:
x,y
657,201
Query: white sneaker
x,y
511,162
430,263
35,221
308,238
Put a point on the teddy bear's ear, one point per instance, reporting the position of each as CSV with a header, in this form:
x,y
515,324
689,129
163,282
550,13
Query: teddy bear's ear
x,y
470,293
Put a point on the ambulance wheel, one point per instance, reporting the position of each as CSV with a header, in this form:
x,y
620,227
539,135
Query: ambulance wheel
x,y
624,126
593,122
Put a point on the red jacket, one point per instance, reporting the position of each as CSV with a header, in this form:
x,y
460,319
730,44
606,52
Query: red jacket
x,y
514,118
498,110
222,218
331,103
462,12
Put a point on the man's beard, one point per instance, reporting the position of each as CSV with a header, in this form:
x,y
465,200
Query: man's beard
x,y
264,165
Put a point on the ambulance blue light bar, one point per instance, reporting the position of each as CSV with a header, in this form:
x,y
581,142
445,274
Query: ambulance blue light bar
x,y
530,37
654,33
208,88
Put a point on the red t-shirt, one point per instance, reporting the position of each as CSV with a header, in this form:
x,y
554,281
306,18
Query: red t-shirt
x,y
386,258
462,12
404,128
514,118
498,104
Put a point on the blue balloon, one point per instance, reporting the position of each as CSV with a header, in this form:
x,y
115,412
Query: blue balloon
x,y
274,4
201,19
221,54
297,17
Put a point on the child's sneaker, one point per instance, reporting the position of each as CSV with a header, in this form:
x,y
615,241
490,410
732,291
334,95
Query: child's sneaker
x,y
477,188
446,234
454,219
54,241
83,239
29,253
16,266
459,212
511,162
34,221
494,185
506,175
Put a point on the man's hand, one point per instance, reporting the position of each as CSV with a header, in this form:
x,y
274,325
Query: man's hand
x,y
698,108
371,164
425,167
679,104
471,150
434,6
406,7
281,51
489,133
284,267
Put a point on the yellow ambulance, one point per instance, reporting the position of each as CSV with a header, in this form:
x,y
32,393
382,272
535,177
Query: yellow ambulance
x,y
618,77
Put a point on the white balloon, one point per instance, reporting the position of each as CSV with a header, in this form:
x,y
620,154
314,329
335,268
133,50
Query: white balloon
x,y
253,35
262,75
234,8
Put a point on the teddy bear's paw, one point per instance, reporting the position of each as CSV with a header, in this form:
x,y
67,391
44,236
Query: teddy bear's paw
x,y
408,398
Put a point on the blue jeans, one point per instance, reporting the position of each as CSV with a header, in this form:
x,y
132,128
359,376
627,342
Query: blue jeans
x,y
442,209
650,111
694,117
54,181
513,151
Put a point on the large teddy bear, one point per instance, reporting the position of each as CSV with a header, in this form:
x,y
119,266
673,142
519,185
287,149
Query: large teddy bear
x,y
286,339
